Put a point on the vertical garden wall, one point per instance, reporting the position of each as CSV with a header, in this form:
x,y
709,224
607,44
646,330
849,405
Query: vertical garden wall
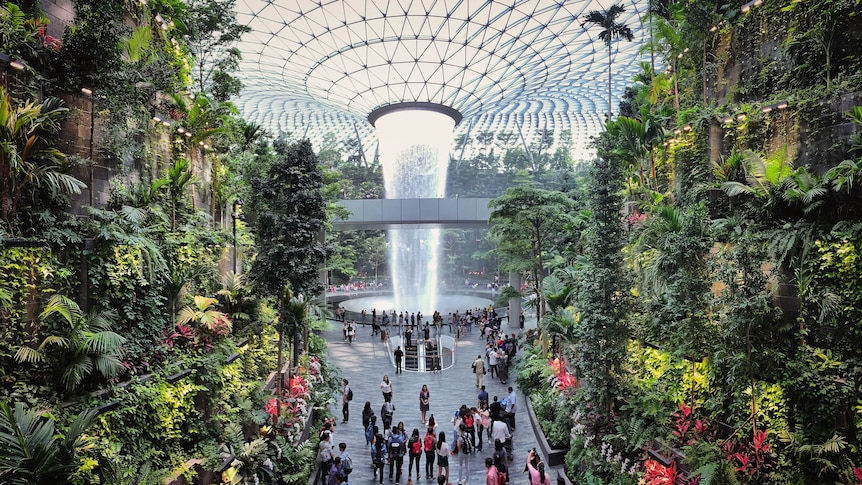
x,y
737,275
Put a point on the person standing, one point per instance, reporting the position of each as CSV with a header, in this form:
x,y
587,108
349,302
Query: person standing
x,y
537,472
429,444
492,476
351,332
462,449
511,407
346,460
492,361
479,369
482,398
442,458
346,397
367,413
399,354
424,401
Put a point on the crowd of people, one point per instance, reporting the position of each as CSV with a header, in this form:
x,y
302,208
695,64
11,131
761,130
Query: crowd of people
x,y
484,427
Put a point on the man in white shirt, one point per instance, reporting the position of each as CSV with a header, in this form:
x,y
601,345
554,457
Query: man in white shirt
x,y
511,407
492,362
500,431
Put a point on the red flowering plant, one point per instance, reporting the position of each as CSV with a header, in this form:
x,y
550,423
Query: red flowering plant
x,y
752,457
294,406
658,474
563,381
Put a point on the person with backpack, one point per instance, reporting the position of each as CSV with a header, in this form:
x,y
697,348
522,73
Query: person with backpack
x,y
371,430
429,445
378,455
463,449
386,414
500,458
414,447
346,460
395,445
346,397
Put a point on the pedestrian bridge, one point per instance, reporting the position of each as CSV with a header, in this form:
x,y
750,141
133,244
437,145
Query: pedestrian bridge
x,y
369,214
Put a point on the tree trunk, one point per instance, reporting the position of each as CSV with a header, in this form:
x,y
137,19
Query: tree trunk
x,y
609,82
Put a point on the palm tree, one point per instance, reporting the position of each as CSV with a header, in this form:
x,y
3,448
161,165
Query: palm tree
x,y
34,452
26,155
89,344
611,30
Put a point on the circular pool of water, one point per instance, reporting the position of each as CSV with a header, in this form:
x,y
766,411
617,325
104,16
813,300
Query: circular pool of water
x,y
445,304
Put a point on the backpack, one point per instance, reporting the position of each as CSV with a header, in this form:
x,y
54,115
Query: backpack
x,y
429,442
395,448
416,446
377,453
347,464
466,444
369,431
468,421
349,394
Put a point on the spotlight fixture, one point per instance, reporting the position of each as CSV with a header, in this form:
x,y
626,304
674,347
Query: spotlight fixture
x,y
686,128
87,91
181,130
753,3
714,28
7,61
728,120
677,131
188,134
740,116
774,106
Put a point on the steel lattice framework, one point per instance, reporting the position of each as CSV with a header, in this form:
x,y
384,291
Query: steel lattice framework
x,y
312,68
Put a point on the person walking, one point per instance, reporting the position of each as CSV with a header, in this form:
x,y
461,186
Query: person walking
x,y
414,448
399,354
386,388
346,397
367,413
429,444
386,414
424,401
378,455
395,445
479,369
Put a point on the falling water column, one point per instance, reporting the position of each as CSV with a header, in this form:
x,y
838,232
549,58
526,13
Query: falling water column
x,y
414,153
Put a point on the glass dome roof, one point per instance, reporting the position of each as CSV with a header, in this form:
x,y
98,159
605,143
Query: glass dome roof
x,y
313,68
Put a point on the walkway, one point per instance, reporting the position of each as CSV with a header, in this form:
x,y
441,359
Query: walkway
x,y
363,364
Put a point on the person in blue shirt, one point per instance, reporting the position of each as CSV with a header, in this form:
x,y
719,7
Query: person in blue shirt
x,y
511,407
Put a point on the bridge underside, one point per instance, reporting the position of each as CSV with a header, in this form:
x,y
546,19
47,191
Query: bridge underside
x,y
374,214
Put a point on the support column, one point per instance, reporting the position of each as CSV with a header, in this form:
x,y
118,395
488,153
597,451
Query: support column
x,y
514,303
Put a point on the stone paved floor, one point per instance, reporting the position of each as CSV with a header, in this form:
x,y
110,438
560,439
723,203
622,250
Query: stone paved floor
x,y
363,364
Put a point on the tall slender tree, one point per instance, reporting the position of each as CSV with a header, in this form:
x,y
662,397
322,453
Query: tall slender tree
x,y
611,30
